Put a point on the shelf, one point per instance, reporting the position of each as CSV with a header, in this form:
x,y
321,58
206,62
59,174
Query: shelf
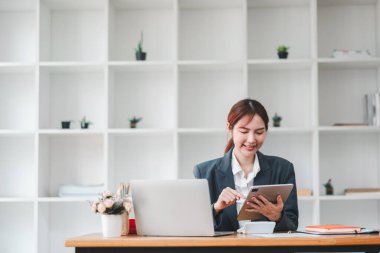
x,y
140,131
141,66
53,132
72,67
332,63
16,200
191,131
210,65
349,129
264,64
67,199
351,197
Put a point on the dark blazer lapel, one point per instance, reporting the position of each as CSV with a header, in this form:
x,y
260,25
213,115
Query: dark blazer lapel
x,y
262,177
225,178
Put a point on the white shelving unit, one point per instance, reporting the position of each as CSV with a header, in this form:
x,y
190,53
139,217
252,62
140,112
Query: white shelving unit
x,y
65,59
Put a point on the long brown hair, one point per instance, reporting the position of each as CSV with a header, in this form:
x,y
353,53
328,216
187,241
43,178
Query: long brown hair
x,y
239,110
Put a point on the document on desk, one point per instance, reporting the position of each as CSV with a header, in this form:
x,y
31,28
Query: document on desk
x,y
281,235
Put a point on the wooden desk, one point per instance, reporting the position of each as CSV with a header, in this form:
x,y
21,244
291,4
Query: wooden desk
x,y
233,243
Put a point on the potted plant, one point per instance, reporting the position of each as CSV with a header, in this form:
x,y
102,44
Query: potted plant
x,y
66,124
133,121
111,207
140,54
282,51
276,120
84,124
329,188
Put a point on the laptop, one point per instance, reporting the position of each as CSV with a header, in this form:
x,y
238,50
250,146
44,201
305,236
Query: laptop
x,y
173,208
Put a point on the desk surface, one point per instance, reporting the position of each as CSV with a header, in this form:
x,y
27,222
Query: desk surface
x,y
236,240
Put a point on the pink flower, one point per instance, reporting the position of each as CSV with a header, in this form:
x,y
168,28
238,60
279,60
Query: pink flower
x,y
94,206
108,203
107,194
101,208
128,206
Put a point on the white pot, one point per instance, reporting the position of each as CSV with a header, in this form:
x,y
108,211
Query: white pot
x,y
111,225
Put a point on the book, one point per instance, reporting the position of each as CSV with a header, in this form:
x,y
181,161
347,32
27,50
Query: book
x,y
349,191
333,229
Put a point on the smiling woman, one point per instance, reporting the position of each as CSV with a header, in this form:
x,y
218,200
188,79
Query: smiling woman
x,y
243,166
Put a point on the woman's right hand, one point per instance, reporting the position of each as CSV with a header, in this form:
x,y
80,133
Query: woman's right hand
x,y
227,198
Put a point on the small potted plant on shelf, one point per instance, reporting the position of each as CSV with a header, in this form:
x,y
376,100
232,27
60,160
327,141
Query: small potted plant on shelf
x,y
282,51
140,54
329,188
66,124
84,124
276,120
111,207
133,121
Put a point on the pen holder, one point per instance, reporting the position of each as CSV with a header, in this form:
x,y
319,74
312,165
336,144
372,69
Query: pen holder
x,y
125,227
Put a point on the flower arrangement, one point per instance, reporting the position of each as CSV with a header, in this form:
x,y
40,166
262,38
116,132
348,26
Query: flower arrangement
x,y
110,203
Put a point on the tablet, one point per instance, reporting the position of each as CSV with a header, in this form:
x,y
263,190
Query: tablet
x,y
270,192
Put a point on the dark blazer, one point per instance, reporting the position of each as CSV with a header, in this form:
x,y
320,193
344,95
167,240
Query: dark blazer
x,y
273,170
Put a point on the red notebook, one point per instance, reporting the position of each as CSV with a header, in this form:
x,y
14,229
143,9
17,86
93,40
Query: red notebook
x,y
333,229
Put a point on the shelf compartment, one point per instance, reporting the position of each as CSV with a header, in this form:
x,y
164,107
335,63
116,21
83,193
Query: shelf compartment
x,y
18,30
72,30
306,211
17,221
346,212
344,157
218,90
70,160
135,92
128,18
53,230
141,157
298,151
273,23
203,23
338,26
17,166
18,98
342,95
196,148
66,94
273,88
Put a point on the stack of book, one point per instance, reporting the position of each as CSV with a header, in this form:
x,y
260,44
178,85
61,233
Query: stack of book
x,y
373,108
333,229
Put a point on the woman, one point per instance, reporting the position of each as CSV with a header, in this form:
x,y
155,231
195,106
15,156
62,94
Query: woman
x,y
242,166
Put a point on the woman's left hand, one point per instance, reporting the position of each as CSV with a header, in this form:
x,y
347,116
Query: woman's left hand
x,y
266,208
